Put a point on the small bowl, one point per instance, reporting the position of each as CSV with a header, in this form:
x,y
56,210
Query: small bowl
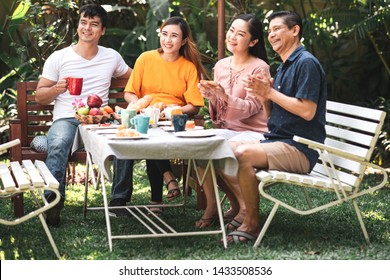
x,y
88,119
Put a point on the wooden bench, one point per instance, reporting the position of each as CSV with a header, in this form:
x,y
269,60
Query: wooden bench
x,y
17,179
352,133
34,119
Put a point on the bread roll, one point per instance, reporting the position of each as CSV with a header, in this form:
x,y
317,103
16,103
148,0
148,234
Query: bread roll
x,y
127,132
159,105
144,102
210,83
190,125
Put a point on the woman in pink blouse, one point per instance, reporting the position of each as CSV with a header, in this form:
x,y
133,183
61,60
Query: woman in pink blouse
x,y
238,114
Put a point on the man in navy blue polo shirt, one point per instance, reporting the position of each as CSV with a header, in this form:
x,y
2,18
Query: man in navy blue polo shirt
x,y
295,102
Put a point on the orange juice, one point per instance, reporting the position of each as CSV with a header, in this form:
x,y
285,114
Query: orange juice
x,y
176,111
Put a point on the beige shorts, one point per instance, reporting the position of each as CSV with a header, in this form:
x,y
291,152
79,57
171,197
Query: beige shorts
x,y
284,157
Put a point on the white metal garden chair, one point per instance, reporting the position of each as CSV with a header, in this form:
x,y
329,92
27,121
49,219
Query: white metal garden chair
x,y
30,177
352,133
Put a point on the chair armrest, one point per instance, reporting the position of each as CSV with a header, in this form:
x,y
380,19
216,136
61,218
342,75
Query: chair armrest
x,y
316,145
4,128
9,144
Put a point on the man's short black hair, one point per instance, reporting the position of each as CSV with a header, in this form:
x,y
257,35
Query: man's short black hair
x,y
93,10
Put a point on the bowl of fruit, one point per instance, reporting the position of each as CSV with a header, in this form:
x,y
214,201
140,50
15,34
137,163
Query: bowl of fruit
x,y
94,112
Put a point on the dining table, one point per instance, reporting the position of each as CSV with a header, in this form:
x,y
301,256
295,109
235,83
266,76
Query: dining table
x,y
199,147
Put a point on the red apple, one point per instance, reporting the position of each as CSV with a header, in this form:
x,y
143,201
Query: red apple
x,y
94,101
95,112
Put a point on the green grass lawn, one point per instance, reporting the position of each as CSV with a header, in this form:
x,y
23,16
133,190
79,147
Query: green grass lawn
x,y
332,234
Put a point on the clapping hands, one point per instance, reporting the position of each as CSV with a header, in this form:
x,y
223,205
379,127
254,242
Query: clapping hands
x,y
211,90
260,85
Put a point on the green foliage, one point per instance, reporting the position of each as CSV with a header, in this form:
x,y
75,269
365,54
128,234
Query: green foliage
x,y
45,28
8,108
356,43
382,149
333,234
159,10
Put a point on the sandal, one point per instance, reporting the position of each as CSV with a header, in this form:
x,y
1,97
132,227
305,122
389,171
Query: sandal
x,y
155,211
239,236
206,222
232,225
227,218
173,193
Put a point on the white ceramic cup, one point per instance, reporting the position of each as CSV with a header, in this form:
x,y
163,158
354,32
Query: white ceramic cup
x,y
167,113
154,114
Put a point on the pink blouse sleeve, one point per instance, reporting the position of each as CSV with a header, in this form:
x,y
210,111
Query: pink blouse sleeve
x,y
241,104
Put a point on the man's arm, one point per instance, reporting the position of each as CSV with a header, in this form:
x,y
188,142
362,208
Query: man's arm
x,y
303,108
48,90
126,75
262,87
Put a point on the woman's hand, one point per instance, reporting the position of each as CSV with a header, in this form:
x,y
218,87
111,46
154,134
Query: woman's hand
x,y
212,90
260,85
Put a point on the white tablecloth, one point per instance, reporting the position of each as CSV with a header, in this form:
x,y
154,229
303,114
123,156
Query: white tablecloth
x,y
159,145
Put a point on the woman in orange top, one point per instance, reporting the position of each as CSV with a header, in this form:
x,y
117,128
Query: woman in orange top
x,y
171,75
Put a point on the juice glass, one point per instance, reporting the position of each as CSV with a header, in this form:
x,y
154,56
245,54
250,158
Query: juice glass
x,y
176,110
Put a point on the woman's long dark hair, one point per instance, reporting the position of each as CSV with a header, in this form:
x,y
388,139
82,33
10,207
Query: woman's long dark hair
x,y
256,31
189,50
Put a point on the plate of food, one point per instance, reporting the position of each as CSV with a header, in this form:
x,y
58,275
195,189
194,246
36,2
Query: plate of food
x,y
127,134
195,133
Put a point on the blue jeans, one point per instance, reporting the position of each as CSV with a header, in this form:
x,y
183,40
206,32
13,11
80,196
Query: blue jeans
x,y
59,143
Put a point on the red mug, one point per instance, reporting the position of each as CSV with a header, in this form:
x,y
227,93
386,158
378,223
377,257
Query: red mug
x,y
74,85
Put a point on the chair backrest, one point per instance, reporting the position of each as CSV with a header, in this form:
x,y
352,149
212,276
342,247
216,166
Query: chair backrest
x,y
37,118
355,130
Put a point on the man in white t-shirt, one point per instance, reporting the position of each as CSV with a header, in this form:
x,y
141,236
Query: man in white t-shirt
x,y
96,65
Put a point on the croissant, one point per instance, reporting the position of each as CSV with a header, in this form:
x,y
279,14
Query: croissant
x,y
127,132
159,105
144,102
141,103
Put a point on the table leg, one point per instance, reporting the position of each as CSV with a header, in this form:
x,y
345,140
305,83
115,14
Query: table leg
x,y
87,163
210,168
171,232
106,212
